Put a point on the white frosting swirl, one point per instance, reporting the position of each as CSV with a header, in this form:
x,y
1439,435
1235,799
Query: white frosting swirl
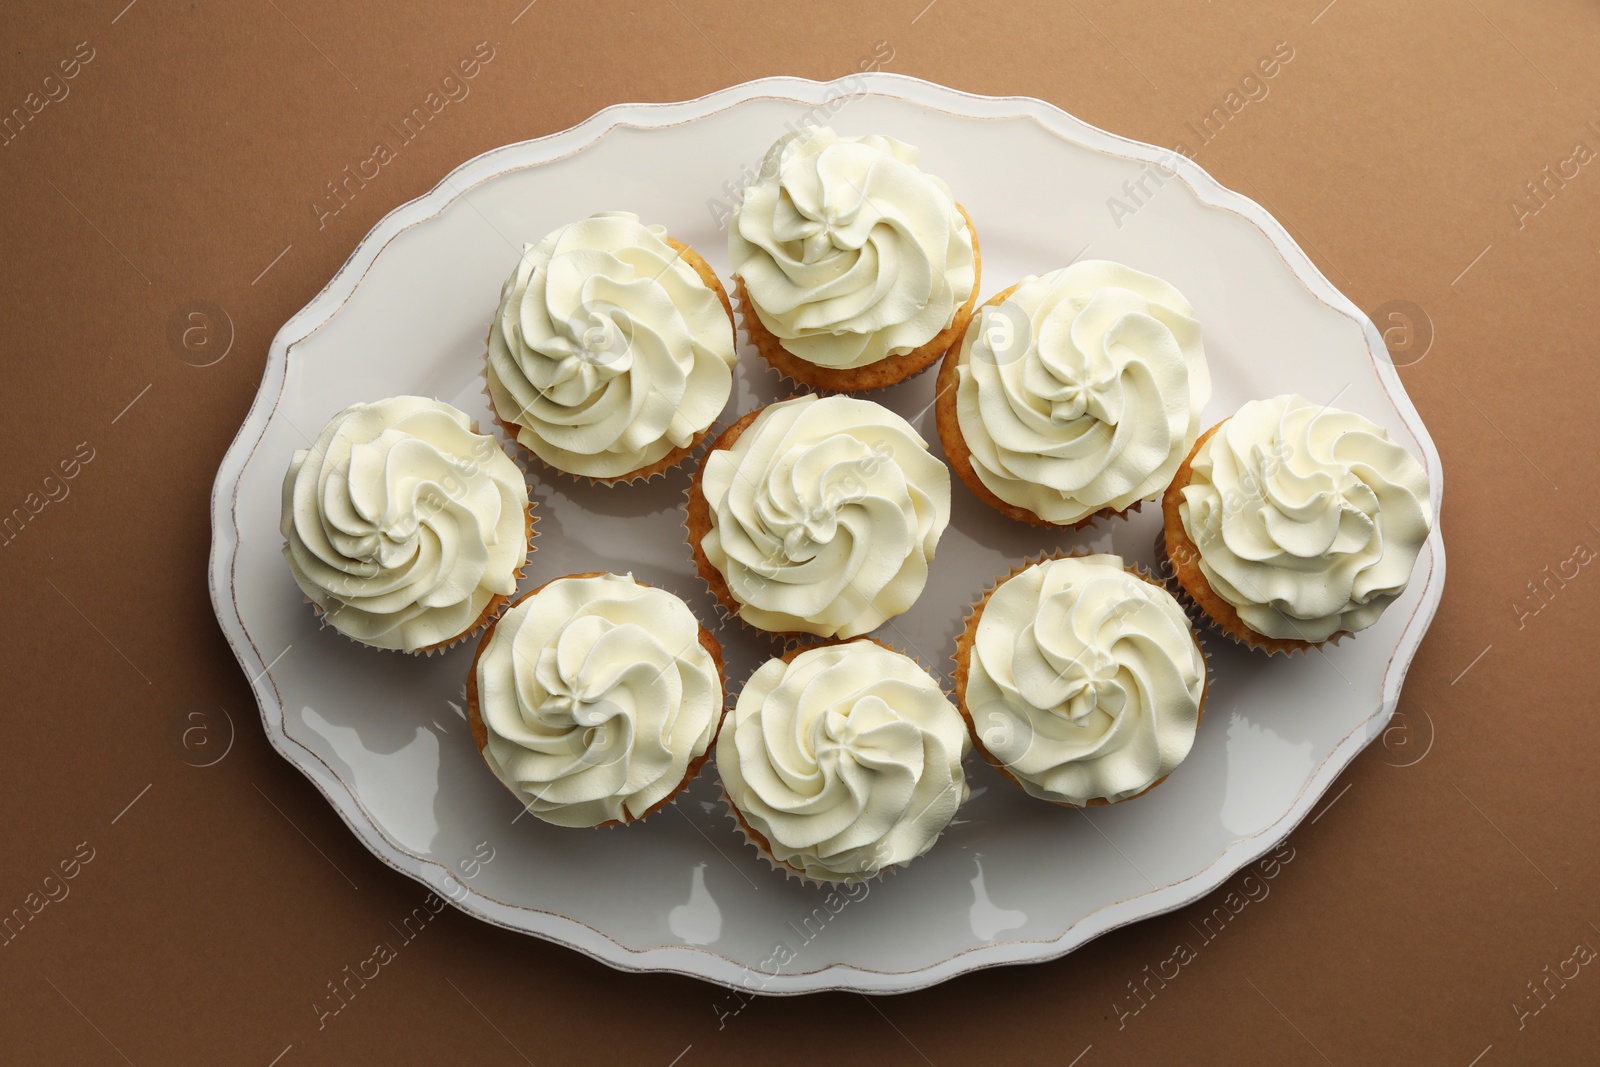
x,y
1082,390
609,351
825,513
1307,519
596,695
848,251
1084,680
402,524
846,760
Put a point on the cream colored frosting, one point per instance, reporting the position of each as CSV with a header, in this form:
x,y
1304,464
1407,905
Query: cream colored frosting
x,y
846,760
1082,390
608,350
1084,680
1307,519
402,524
596,695
849,252
825,514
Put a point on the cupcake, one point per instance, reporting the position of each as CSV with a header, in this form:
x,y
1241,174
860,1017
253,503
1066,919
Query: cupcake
x,y
1292,523
403,527
842,761
612,352
818,515
1081,681
595,699
1074,394
855,269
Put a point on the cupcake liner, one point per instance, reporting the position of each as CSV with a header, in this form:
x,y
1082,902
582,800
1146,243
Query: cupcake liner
x,y
968,636
796,373
532,465
1097,522
816,378
1103,518
497,606
696,765
763,848
1198,614
1163,571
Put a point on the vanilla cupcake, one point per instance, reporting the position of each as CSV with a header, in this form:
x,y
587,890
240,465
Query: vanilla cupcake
x,y
1074,394
842,761
1080,680
612,352
403,527
1292,523
595,699
818,515
855,268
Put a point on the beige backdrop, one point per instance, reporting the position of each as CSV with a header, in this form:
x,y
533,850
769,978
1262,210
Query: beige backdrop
x,y
165,158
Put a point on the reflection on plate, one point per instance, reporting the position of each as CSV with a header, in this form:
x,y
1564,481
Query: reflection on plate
x,y
1013,880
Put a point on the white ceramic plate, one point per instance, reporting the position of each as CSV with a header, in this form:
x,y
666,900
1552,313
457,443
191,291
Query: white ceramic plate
x,y
1014,880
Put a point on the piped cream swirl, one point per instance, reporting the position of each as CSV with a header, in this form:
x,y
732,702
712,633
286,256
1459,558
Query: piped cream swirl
x,y
846,760
402,524
849,252
825,513
1082,390
1084,681
608,350
596,695
1308,519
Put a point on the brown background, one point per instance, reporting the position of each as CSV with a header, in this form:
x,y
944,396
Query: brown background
x,y
1453,863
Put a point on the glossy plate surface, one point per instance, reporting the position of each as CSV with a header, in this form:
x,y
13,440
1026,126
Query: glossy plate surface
x,y
1014,880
